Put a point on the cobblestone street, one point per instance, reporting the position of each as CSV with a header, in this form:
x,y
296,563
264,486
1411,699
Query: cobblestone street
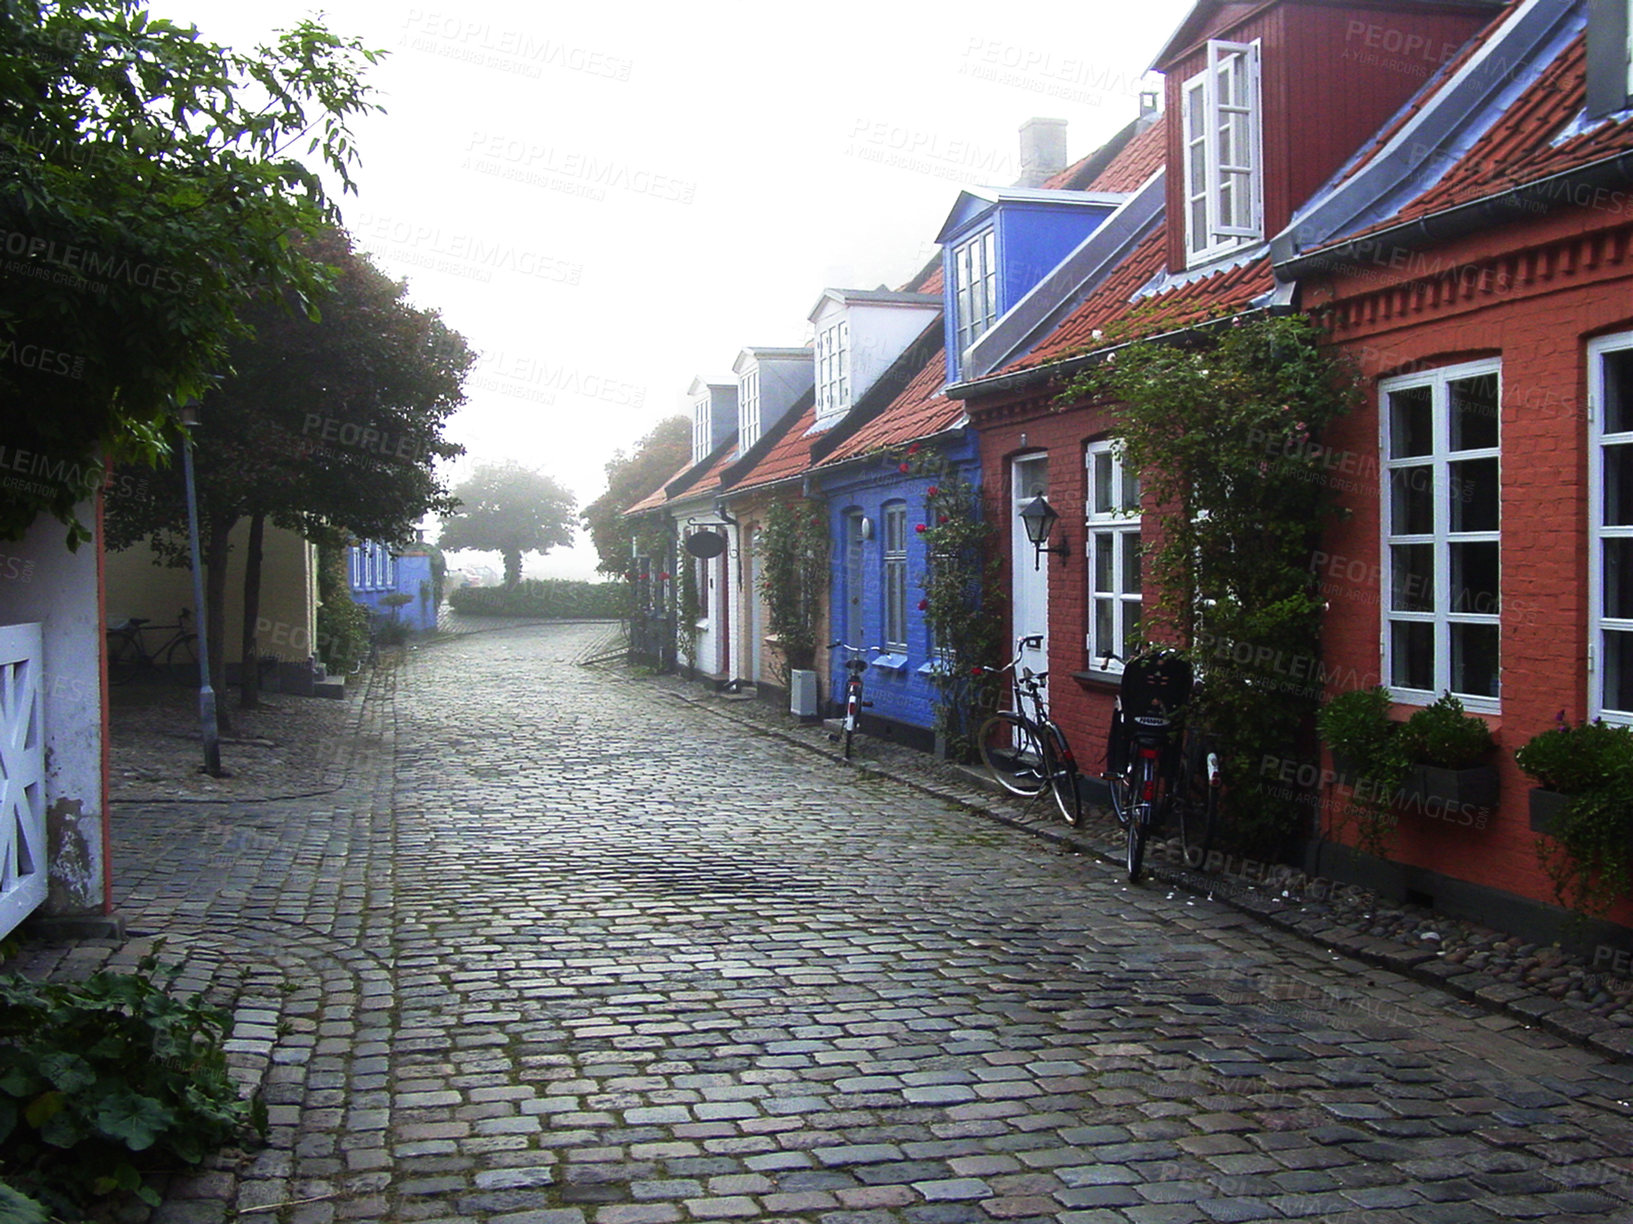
x,y
566,949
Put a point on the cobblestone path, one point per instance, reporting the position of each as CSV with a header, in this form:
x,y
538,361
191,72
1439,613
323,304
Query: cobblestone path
x,y
566,950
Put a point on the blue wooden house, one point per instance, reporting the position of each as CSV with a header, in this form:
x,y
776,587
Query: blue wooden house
x,y
375,571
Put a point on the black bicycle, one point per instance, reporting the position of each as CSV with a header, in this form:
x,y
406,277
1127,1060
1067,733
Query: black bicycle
x,y
1022,747
176,657
856,664
1146,770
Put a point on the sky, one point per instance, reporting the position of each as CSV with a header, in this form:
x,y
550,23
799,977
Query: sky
x,y
607,201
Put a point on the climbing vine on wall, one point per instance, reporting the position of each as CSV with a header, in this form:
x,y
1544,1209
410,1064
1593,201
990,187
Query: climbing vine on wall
x,y
793,545
1223,430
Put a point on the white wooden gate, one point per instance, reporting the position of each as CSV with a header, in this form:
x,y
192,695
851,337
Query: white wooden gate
x,y
22,775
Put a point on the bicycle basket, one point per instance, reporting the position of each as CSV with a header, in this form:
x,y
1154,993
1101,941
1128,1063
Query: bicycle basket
x,y
1156,685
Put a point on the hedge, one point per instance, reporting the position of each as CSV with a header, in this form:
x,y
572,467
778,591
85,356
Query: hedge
x,y
545,597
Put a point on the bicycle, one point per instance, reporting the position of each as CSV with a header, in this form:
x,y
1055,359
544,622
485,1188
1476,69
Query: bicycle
x,y
1143,763
128,654
855,665
1026,752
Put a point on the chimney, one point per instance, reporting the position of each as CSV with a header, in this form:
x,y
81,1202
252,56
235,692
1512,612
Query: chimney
x,y
1043,151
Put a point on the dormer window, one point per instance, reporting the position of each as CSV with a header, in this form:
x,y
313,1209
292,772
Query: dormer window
x,y
833,370
748,409
701,429
975,287
1224,175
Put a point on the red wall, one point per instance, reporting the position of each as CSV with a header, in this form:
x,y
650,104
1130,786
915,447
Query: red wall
x,y
1534,298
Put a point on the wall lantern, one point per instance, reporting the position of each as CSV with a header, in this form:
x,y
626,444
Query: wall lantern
x,y
1039,519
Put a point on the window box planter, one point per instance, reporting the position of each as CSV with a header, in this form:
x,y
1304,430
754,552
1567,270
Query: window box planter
x,y
1475,786
1546,806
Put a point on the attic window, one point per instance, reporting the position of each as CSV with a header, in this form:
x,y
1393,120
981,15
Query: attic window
x,y
833,369
700,429
1610,57
748,409
975,287
1224,177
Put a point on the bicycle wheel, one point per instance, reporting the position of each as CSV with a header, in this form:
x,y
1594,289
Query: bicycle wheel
x,y
181,661
124,659
1197,802
1062,771
1139,822
1012,753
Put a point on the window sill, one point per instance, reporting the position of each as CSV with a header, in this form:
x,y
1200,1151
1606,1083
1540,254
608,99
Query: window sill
x,y
1098,681
891,662
936,667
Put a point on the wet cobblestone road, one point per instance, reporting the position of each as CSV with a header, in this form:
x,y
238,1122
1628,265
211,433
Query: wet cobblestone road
x,y
567,950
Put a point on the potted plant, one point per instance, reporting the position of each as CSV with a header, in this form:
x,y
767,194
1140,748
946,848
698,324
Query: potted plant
x,y
1357,728
1445,747
1584,804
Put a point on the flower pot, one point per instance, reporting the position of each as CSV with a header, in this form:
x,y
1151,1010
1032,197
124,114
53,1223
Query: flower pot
x,y
1475,786
1546,805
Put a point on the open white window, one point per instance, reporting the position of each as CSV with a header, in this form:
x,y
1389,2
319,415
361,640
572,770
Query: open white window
x,y
1112,527
1441,546
1610,527
748,409
833,367
1224,174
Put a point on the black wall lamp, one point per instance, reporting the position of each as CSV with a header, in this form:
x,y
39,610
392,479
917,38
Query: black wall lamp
x,y
1039,519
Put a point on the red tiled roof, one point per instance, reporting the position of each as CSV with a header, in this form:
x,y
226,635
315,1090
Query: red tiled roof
x,y
1139,159
1113,308
710,479
1062,180
1520,147
920,411
789,457
932,283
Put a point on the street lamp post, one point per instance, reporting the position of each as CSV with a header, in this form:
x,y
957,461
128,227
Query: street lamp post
x,y
209,728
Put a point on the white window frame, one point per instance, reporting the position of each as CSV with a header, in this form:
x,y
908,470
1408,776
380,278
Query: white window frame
x,y
1437,462
748,408
1111,518
1221,228
1600,625
833,367
975,288
700,429
893,585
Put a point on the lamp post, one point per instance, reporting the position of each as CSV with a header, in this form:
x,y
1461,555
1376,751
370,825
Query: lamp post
x,y
209,729
1039,519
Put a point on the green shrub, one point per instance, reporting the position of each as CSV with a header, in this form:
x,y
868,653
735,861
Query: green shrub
x,y
1356,725
97,1075
550,598
1588,852
1442,734
1576,759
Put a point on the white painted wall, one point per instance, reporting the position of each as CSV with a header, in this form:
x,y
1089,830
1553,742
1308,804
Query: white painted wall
x,y
42,581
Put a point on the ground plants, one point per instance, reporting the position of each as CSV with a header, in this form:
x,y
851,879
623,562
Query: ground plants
x,y
1223,427
1587,850
101,1078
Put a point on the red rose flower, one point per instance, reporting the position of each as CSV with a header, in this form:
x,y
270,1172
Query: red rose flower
x,y
931,491
902,468
923,604
921,528
664,576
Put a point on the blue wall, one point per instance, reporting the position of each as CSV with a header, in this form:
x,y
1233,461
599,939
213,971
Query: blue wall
x,y
374,572
903,693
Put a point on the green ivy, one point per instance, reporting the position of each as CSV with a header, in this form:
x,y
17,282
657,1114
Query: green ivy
x,y
1588,852
1222,429
793,546
100,1076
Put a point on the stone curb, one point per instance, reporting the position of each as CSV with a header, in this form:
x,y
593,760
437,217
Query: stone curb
x,y
1494,995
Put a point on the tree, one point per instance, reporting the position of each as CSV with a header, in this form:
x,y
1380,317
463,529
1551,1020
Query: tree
x,y
508,509
327,424
656,458
151,181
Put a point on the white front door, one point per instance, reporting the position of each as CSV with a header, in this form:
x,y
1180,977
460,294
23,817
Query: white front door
x,y
1029,593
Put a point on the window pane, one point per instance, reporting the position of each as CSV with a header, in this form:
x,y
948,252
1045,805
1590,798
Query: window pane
x,y
1105,628
1131,562
1474,495
1618,671
1412,577
1474,579
1103,561
1474,659
1131,626
1104,489
1131,490
1619,485
1473,405
1411,501
1412,655
1618,369
1410,422
1618,579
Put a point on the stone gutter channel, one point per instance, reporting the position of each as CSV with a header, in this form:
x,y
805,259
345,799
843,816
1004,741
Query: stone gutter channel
x,y
1506,976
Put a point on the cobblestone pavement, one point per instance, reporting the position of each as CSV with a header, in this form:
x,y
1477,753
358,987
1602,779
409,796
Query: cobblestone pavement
x,y
566,948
